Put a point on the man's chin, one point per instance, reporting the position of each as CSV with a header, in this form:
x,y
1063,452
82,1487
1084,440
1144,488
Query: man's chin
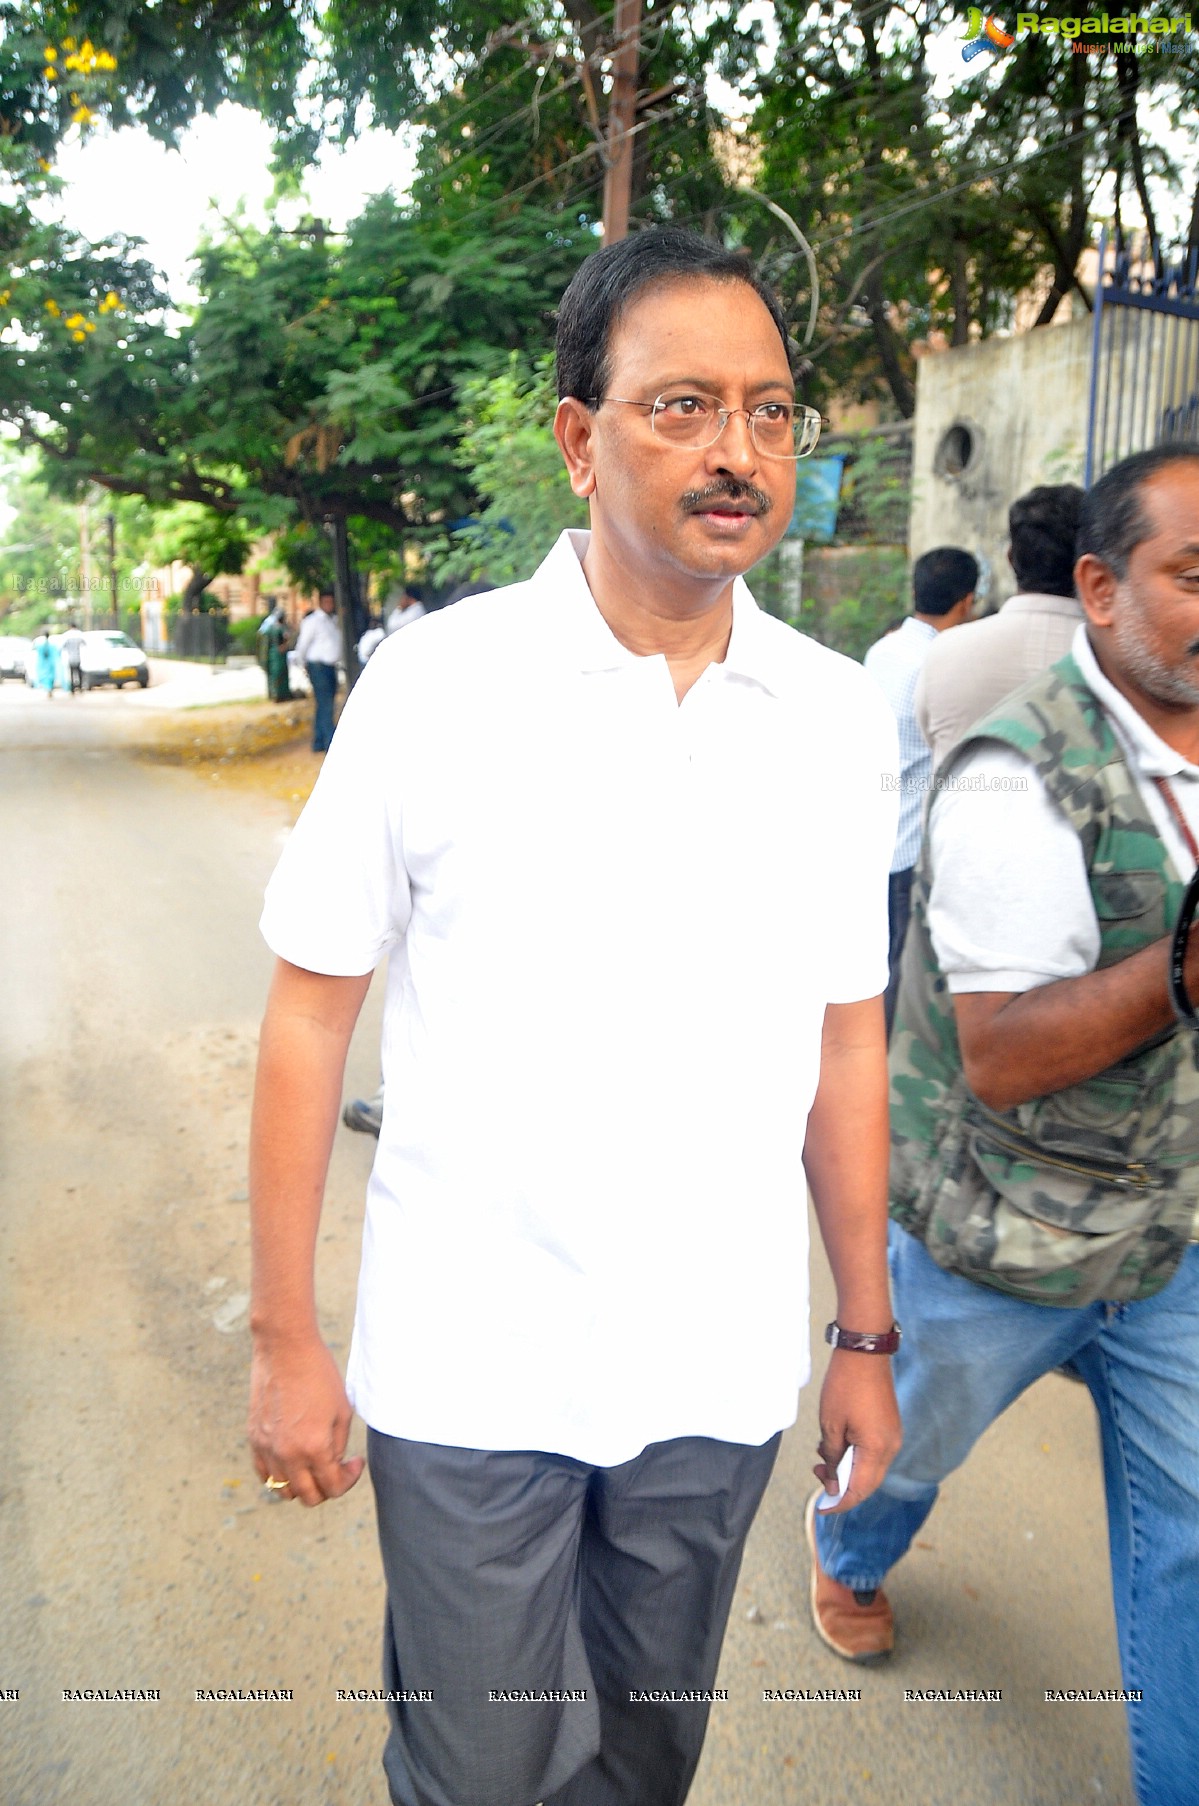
x,y
722,552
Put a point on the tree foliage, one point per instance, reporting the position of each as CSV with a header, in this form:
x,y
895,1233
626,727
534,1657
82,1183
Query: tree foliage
x,y
318,378
930,214
507,445
367,376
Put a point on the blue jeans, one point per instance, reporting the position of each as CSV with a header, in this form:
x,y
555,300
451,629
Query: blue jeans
x,y
323,679
967,1352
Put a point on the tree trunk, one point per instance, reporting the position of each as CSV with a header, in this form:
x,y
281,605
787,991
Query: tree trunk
x,y
888,343
1128,132
961,294
197,583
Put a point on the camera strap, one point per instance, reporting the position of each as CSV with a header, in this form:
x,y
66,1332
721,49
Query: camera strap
x,y
1180,997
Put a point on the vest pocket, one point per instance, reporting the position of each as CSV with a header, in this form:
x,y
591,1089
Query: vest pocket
x,y
1055,1231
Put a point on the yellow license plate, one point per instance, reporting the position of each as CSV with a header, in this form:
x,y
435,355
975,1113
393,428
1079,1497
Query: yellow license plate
x,y
125,671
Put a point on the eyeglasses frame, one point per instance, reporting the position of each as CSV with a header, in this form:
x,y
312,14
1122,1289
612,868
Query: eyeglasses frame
x,y
724,415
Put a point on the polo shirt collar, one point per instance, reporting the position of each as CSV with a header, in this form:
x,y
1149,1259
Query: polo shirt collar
x,y
750,653
1154,758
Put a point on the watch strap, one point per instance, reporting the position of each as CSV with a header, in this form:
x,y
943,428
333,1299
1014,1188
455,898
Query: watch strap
x,y
884,1341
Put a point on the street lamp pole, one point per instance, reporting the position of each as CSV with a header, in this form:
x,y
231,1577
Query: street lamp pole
x,y
110,521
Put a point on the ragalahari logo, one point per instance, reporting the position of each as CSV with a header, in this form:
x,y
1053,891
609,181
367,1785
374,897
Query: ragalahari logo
x,y
984,35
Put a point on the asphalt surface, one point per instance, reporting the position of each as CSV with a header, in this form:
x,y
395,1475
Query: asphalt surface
x,y
136,1550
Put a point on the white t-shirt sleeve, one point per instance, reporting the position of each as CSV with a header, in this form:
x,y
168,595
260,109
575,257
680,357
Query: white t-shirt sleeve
x,y
339,897
862,788
1011,907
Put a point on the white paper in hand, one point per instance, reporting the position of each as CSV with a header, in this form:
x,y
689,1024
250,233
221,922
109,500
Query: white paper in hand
x,y
826,1501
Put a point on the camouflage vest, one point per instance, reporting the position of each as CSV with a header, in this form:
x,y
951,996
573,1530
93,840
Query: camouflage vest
x,y
1089,1192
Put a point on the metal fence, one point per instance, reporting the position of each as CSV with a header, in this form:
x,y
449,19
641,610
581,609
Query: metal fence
x,y
1144,355
202,636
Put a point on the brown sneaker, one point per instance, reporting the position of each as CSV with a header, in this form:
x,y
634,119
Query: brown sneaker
x,y
858,1632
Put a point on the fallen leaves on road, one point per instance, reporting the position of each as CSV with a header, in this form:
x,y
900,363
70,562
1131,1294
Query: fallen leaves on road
x,y
257,746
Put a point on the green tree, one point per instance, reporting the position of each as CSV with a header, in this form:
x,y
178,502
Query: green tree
x,y
212,544
508,446
930,214
42,549
318,378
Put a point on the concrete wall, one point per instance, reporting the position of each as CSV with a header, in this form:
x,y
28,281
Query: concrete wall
x,y
1023,403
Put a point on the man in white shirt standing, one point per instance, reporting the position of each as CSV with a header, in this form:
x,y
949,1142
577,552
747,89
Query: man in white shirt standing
x,y
965,674
1045,1105
318,649
633,993
407,607
71,650
943,585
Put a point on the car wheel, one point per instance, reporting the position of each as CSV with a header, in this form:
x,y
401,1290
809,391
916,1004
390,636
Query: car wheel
x,y
143,678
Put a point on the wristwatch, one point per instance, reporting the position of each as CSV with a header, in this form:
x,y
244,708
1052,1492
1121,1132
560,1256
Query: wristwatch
x,y
883,1341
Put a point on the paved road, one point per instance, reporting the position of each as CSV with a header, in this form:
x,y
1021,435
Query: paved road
x,y
137,1550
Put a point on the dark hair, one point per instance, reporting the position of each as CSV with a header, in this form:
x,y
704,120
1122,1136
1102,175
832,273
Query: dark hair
x,y
1044,525
604,285
941,578
1113,521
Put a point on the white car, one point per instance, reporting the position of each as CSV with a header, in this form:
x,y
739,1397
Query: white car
x,y
111,657
15,655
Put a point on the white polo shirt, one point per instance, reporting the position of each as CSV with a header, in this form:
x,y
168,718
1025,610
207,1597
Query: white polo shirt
x,y
1011,905
614,923
319,639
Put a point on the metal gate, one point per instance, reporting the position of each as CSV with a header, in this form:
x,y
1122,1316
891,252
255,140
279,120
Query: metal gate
x,y
1144,357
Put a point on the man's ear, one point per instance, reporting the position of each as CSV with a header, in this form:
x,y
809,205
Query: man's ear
x,y
573,427
1096,584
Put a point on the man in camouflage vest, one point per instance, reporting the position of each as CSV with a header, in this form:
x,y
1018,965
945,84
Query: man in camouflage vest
x,y
1045,1105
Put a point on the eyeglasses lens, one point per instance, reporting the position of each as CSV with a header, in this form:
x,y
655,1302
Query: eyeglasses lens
x,y
778,429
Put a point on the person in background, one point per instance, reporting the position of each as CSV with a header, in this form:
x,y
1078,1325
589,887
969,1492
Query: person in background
x,y
374,636
275,635
965,674
1045,1108
47,666
943,585
408,605
318,648
71,649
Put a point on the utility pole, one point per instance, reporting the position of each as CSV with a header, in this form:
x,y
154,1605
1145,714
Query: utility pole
x,y
85,562
622,111
111,523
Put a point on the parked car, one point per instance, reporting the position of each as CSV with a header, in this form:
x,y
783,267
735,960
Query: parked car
x,y
111,657
14,655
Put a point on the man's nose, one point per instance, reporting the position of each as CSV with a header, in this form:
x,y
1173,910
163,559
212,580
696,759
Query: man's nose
x,y
734,450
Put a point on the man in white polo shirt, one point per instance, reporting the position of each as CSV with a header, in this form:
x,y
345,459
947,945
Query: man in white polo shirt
x,y
318,648
624,840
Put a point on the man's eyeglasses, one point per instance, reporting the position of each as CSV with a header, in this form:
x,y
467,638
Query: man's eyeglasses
x,y
691,421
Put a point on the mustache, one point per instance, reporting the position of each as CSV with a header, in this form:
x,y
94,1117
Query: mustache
x,y
695,500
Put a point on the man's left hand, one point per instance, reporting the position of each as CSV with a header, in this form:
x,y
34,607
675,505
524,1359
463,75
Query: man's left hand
x,y
857,1406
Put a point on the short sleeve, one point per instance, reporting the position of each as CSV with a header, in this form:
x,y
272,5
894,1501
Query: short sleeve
x,y
1010,907
339,897
862,792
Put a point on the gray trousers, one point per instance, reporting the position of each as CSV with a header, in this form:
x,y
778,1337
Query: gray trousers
x,y
525,1573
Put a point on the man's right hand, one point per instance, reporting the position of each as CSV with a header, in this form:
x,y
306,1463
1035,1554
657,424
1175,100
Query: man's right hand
x,y
299,1421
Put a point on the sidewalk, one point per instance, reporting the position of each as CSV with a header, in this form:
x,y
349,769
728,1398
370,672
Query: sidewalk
x,y
181,684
